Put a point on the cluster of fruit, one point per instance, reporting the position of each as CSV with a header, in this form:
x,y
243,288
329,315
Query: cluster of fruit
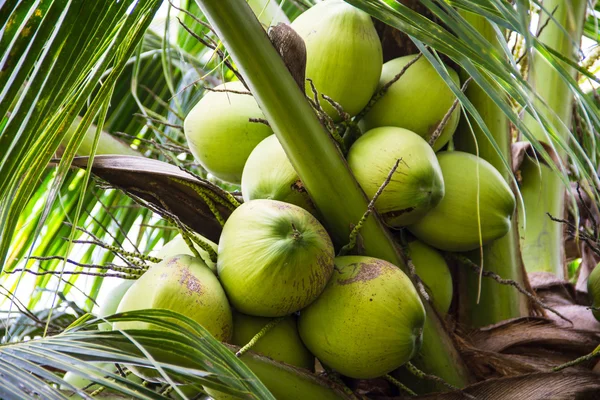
x,y
358,315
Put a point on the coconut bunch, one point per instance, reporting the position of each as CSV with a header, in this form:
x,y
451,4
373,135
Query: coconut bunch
x,y
405,111
277,284
280,288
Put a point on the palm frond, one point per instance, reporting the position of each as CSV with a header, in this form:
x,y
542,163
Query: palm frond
x,y
71,47
201,359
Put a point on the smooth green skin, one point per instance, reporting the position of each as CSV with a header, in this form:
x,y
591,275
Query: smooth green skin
x,y
367,322
433,270
542,188
183,284
416,186
418,101
178,246
109,307
269,175
219,133
344,56
593,286
286,382
454,224
281,343
479,305
267,268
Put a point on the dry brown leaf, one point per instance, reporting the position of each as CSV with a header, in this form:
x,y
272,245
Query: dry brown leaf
x,y
165,186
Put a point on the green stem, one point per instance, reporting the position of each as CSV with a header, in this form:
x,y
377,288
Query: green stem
x,y
258,336
496,302
318,161
542,188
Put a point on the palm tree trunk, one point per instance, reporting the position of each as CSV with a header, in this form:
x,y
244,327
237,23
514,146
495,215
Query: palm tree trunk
x,y
542,188
317,160
498,302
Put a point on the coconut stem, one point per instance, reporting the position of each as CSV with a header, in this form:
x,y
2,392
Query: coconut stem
x,y
478,299
119,250
399,385
422,375
480,272
438,131
296,234
595,353
542,188
370,208
258,336
381,92
202,244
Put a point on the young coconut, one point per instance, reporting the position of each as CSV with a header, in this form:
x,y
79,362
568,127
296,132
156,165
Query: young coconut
x,y
367,322
593,286
268,174
183,284
111,303
286,382
418,101
476,208
274,258
416,185
281,342
433,270
219,133
344,56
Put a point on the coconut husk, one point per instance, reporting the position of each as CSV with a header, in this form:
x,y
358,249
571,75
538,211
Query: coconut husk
x,y
524,345
168,188
537,386
566,299
521,149
532,332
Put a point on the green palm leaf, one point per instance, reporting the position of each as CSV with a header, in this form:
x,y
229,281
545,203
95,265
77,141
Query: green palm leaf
x,y
206,361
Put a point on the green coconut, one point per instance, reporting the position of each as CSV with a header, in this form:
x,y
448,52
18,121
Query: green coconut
x,y
268,174
476,208
367,322
286,382
178,246
183,284
594,291
433,270
418,101
344,56
416,186
274,258
219,133
80,382
281,343
111,303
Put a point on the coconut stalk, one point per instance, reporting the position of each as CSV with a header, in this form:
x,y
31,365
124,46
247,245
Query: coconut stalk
x,y
318,161
542,188
497,302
